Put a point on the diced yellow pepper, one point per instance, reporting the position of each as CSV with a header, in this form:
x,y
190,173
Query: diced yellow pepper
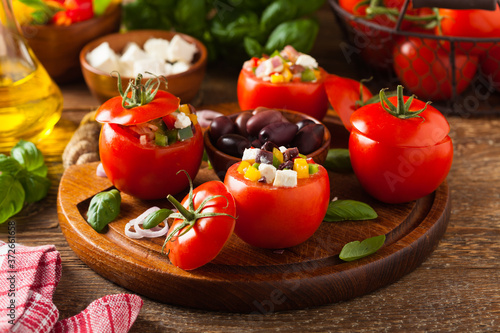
x,y
287,75
252,174
194,118
301,167
277,78
184,108
278,154
242,168
317,73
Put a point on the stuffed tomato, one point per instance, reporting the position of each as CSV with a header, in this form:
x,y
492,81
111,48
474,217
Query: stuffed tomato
x,y
281,200
285,80
145,141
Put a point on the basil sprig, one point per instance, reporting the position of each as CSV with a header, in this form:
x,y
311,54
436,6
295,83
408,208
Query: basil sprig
x,y
338,160
104,208
23,178
342,210
357,250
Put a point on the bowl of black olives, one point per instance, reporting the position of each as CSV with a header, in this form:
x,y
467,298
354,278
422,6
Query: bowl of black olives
x,y
227,137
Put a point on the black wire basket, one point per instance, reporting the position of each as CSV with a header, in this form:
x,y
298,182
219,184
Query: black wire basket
x,y
439,68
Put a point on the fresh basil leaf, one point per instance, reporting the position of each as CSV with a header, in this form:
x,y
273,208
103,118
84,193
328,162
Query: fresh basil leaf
x,y
104,208
35,187
307,7
190,16
30,157
155,218
277,12
342,210
300,33
11,196
357,250
338,160
252,47
9,165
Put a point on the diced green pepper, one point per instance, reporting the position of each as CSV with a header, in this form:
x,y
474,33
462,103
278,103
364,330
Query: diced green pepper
x,y
313,168
256,165
308,75
172,136
185,133
161,139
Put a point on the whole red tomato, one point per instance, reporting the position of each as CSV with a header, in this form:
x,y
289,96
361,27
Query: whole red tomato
x,y
346,96
401,155
203,225
278,217
424,67
473,23
145,170
307,97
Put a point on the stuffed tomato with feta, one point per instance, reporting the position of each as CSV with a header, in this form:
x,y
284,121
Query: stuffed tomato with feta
x,y
281,197
147,137
285,80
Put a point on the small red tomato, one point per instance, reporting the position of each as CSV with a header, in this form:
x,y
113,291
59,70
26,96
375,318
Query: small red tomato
x,y
424,67
202,226
130,155
346,96
278,217
307,97
401,155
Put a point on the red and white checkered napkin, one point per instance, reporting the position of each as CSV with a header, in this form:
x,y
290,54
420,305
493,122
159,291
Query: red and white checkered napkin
x,y
28,278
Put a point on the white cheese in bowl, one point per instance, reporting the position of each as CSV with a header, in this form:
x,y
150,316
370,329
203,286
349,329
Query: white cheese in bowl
x,y
158,56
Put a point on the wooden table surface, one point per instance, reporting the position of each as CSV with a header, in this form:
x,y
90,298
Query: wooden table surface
x,y
456,290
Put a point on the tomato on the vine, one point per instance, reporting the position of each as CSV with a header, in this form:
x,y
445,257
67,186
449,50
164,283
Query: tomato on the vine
x,y
204,223
400,149
346,96
140,154
278,217
423,66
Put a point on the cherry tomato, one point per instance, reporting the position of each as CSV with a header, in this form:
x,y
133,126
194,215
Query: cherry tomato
x,y
424,67
307,97
144,169
398,159
278,217
345,97
191,247
473,23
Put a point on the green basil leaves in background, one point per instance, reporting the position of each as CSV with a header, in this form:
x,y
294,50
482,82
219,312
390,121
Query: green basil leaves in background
x,y
357,250
231,29
342,210
338,160
23,178
104,208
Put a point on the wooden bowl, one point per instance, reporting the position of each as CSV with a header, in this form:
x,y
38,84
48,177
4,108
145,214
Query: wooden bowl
x,y
184,85
221,161
58,47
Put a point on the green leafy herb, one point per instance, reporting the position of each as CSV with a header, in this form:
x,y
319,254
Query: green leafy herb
x,y
338,160
357,250
155,218
104,208
23,178
342,210
300,33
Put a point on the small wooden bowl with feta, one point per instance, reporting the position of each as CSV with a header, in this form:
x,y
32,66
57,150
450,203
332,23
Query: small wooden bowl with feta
x,y
182,59
223,148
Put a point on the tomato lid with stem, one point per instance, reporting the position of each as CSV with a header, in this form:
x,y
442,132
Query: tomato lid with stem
x,y
401,121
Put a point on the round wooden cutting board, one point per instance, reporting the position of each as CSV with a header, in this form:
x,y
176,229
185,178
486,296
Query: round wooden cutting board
x,y
247,279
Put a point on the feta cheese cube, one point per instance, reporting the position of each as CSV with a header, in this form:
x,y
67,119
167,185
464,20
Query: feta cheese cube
x,y
250,154
133,52
306,61
267,171
285,178
283,149
168,68
180,50
103,58
182,120
157,48
150,65
179,67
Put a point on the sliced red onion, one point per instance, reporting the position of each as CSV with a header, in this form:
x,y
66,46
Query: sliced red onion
x,y
99,172
139,232
205,117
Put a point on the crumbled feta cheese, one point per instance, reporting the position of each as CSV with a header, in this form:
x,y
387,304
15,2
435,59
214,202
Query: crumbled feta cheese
x,y
268,171
250,154
157,48
103,58
145,65
182,120
179,67
180,50
306,61
285,178
265,69
283,149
